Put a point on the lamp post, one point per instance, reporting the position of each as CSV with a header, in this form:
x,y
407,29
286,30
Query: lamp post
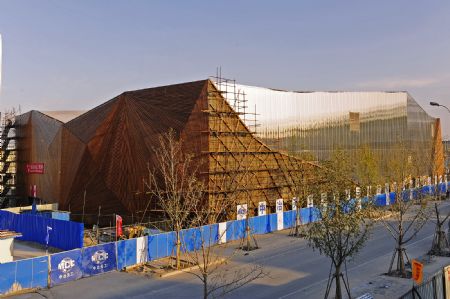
x,y
439,105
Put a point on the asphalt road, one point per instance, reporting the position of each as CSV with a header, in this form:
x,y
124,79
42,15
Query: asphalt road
x,y
294,271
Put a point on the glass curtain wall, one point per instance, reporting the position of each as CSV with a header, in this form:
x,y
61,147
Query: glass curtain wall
x,y
320,122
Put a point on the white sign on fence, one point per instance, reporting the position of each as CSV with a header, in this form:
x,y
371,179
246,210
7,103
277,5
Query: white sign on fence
x,y
262,208
241,212
323,200
378,189
310,201
280,221
279,205
222,232
294,203
141,250
358,197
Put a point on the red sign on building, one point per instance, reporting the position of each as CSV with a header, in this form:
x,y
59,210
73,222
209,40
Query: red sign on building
x,y
37,168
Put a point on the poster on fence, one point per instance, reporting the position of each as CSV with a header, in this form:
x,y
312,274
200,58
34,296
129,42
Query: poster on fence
x,y
294,204
65,266
262,208
241,212
98,259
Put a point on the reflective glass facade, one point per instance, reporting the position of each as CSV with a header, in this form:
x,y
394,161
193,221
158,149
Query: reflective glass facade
x,y
320,122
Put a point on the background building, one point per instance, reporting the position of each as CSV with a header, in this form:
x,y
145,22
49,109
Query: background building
x,y
101,158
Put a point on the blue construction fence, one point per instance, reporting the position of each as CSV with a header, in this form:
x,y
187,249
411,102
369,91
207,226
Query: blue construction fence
x,y
62,267
65,235
59,268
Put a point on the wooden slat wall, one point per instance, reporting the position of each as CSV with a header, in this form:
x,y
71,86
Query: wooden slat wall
x,y
105,151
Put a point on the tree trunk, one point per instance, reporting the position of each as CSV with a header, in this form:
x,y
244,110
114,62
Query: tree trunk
x,y
178,251
297,220
247,231
205,286
337,275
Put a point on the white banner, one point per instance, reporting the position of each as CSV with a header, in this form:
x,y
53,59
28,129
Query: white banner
x,y
279,205
222,232
294,203
378,189
241,212
141,250
262,208
358,197
280,221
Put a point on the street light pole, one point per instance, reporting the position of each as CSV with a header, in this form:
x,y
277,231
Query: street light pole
x,y
439,105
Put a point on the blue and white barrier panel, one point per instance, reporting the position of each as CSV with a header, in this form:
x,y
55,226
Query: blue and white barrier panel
x,y
65,266
98,259
23,274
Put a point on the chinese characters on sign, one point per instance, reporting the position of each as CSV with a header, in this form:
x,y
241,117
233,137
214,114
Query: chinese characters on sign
x,y
279,205
35,168
262,208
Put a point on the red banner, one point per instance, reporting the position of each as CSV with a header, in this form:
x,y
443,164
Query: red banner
x,y
37,168
118,226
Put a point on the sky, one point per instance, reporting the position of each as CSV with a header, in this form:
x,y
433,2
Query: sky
x,y
75,55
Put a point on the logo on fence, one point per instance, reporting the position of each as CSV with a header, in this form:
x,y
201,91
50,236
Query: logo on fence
x,y
66,264
99,258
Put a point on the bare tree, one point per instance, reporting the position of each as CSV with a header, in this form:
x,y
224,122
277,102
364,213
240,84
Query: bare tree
x,y
440,244
344,226
192,204
209,260
408,215
175,185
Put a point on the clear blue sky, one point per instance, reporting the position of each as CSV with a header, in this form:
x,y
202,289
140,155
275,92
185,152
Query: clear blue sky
x,y
62,55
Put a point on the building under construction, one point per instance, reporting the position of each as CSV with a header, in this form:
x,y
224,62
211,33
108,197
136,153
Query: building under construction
x,y
102,157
